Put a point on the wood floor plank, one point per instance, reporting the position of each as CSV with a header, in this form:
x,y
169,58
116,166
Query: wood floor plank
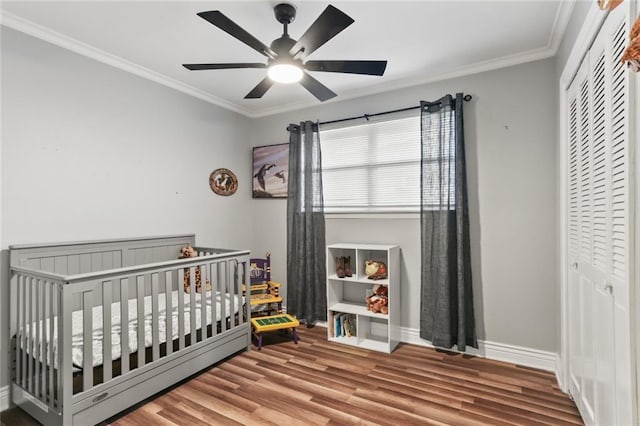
x,y
555,417
276,417
217,381
449,399
317,382
180,417
320,387
464,390
203,393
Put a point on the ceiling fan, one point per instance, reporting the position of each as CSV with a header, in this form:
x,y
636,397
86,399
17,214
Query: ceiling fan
x,y
286,56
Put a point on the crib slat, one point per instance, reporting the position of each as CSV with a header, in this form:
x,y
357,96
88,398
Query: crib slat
x,y
36,350
65,341
140,299
222,275
106,331
30,337
61,351
203,302
247,298
181,310
45,340
192,306
25,330
168,297
232,295
20,336
87,340
214,292
155,333
238,291
124,325
42,341
52,303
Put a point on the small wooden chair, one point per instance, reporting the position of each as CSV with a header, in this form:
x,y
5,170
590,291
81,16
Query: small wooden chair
x,y
264,294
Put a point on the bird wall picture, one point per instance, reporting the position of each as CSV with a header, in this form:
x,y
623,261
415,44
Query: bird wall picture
x,y
261,173
270,170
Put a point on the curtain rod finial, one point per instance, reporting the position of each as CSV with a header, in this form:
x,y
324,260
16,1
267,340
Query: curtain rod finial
x,y
467,97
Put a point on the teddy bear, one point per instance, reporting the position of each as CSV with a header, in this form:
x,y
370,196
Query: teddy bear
x,y
186,252
378,302
375,270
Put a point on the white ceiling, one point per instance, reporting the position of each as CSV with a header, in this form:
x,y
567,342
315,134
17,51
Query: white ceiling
x,y
421,40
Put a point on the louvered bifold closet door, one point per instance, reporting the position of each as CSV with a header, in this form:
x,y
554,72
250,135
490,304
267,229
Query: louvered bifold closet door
x,y
598,224
575,355
620,175
598,266
582,367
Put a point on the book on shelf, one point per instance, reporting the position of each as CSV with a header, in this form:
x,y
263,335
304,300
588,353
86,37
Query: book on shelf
x,y
344,325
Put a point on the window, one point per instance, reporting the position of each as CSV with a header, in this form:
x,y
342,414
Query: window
x,y
439,168
372,167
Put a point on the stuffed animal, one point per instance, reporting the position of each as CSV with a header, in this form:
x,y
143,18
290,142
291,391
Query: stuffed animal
x,y
608,4
378,302
186,252
375,270
631,55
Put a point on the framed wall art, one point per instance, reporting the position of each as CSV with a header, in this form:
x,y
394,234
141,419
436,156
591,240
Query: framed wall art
x,y
223,182
270,171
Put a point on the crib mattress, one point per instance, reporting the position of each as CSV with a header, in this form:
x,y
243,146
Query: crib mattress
x,y
77,350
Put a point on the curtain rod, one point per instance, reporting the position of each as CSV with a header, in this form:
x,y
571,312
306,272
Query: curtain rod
x,y
366,116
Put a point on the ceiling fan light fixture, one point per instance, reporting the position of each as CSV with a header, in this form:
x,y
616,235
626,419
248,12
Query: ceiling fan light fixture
x,y
285,73
286,57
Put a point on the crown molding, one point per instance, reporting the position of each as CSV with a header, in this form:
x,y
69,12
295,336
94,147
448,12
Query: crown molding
x,y
563,15
25,26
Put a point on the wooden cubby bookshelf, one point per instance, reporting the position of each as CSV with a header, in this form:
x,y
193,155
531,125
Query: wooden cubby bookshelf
x,y
376,331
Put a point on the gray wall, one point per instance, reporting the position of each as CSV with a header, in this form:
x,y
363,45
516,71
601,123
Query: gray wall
x,y
90,152
511,144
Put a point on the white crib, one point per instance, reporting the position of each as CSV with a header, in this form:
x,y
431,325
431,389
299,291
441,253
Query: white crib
x,y
98,326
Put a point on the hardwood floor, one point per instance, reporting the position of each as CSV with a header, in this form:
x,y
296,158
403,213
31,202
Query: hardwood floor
x,y
317,382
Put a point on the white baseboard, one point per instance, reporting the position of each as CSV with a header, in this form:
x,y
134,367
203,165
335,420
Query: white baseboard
x,y
4,398
528,357
544,360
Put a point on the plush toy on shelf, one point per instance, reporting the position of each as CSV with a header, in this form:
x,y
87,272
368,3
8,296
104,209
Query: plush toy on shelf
x,y
378,302
186,252
375,270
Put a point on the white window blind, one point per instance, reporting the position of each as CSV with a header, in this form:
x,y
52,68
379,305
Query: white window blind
x,y
372,167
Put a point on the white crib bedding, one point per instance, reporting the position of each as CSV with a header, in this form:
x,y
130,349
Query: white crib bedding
x,y
77,350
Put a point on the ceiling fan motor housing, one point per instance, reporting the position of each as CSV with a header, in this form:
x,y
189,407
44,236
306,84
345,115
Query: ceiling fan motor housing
x,y
285,13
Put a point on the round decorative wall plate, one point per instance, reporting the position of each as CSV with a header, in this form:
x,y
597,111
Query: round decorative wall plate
x,y
223,182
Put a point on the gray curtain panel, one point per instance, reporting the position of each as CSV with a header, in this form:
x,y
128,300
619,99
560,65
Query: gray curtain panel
x,y
306,249
446,310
